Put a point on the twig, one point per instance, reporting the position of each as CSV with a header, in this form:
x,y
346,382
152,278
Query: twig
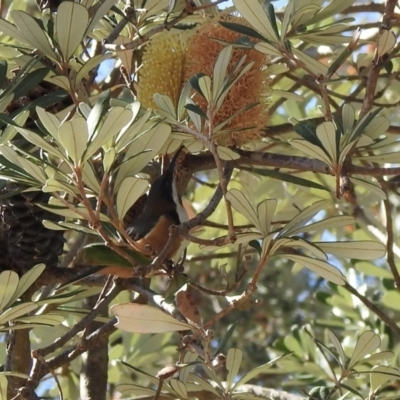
x,y
390,236
375,309
378,62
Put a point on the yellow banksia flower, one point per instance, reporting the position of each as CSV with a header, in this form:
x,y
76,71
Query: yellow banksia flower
x,y
162,68
252,87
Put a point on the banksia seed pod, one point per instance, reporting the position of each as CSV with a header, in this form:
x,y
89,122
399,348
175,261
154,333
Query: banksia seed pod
x,y
162,68
252,87
28,241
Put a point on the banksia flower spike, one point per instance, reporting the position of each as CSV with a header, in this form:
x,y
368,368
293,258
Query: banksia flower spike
x,y
252,87
162,68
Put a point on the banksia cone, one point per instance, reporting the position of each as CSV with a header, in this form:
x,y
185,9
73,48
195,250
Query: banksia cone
x,y
162,69
252,87
28,241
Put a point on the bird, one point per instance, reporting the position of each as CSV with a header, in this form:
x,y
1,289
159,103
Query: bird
x,y
163,208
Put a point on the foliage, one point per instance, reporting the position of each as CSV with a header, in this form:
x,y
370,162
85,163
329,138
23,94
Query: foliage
x,y
288,117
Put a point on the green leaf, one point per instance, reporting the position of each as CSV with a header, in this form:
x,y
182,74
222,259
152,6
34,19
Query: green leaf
x,y
179,388
386,42
261,369
348,118
322,268
272,19
265,211
245,30
303,217
311,150
71,22
100,254
28,81
268,48
233,361
97,112
336,344
38,141
130,190
9,133
205,87
367,343
17,311
326,133
220,70
361,250
241,204
32,32
11,30
99,14
140,318
228,334
73,135
331,222
27,280
49,319
256,16
380,374
391,299
9,283
117,119
373,270
227,154
286,178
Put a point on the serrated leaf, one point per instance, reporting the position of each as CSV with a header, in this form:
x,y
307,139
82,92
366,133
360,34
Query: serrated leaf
x,y
233,361
130,190
73,136
17,311
32,32
303,217
256,16
336,344
386,42
361,250
71,22
241,204
9,283
366,344
321,268
139,318
326,133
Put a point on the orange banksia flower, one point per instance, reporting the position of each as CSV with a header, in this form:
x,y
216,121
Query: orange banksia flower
x,y
252,87
162,68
